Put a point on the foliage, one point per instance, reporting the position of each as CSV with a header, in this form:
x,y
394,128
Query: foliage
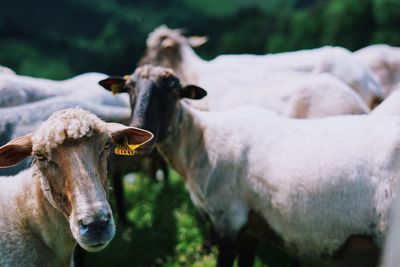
x,y
165,230
59,39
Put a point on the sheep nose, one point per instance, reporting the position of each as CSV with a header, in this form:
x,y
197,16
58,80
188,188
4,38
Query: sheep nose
x,y
95,225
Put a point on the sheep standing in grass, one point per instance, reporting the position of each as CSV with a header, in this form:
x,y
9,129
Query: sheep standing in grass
x,y
62,198
319,189
384,61
169,48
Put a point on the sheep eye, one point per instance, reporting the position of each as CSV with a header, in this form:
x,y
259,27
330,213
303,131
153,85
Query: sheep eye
x,y
40,157
107,146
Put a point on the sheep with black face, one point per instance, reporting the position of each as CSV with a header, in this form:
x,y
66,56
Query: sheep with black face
x,y
321,188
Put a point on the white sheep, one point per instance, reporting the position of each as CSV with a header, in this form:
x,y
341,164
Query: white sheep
x,y
389,106
321,188
18,89
62,198
169,48
288,93
384,61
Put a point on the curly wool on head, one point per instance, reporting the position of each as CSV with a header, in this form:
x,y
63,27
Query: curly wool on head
x,y
152,72
66,124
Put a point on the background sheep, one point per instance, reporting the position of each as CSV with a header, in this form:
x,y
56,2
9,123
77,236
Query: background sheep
x,y
322,191
46,209
169,48
384,61
17,90
288,93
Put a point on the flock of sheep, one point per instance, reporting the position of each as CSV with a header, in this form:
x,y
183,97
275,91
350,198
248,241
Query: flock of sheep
x,y
247,133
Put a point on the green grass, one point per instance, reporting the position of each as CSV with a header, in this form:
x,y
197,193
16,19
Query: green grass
x,y
165,230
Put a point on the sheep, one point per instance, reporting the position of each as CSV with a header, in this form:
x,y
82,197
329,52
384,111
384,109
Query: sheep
x,y
384,61
288,93
320,189
17,90
389,106
48,208
169,48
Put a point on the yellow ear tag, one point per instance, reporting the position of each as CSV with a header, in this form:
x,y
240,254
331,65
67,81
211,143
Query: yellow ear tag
x,y
126,149
114,89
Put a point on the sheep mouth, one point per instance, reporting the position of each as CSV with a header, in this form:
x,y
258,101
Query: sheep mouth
x,y
94,247
98,245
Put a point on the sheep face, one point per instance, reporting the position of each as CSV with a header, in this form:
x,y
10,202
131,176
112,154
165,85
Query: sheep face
x,y
154,96
164,47
73,170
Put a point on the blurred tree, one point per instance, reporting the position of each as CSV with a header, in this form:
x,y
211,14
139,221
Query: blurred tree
x,y
387,14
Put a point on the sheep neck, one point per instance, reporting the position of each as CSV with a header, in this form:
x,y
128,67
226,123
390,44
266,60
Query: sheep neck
x,y
184,142
190,66
48,223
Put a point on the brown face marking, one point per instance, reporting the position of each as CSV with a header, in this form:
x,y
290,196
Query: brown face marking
x,y
74,166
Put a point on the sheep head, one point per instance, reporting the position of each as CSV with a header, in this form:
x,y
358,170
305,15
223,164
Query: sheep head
x,y
164,47
154,95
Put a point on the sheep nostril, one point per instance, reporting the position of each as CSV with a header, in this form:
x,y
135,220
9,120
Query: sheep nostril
x,y
83,228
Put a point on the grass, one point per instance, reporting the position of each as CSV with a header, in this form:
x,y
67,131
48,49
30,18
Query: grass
x,y
165,230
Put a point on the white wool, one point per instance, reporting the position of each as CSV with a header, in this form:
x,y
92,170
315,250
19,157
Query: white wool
x,y
63,125
316,182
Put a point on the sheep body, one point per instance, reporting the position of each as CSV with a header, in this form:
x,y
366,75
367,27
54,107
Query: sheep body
x,y
19,246
315,182
288,93
17,90
384,61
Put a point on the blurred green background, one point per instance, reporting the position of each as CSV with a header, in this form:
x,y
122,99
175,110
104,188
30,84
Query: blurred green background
x,y
59,39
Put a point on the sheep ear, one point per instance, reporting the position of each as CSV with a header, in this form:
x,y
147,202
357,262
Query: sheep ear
x,y
192,92
115,84
196,41
15,151
127,139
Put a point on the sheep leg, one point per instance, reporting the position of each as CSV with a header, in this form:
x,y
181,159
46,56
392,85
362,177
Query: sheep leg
x,y
247,251
119,197
227,253
209,239
164,169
